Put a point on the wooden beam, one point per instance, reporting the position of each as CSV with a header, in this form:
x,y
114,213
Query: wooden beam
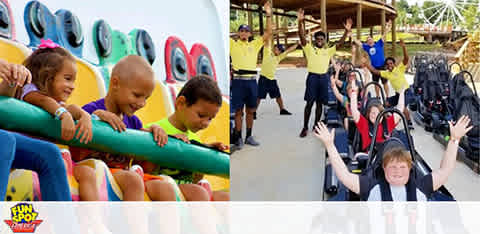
x,y
277,25
313,5
334,21
323,13
285,25
249,18
394,32
252,10
382,21
304,3
359,21
260,19
382,24
342,11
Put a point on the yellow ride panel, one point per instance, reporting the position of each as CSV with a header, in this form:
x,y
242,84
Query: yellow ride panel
x,y
13,52
89,85
158,105
218,130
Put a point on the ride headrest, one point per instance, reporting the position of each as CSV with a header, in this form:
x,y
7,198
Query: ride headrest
x,y
389,144
372,102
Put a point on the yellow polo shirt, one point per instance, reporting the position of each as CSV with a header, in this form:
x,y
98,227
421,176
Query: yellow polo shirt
x,y
244,54
318,58
270,62
396,77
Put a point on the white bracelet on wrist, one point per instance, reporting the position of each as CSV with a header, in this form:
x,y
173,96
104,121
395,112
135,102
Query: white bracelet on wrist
x,y
95,117
59,112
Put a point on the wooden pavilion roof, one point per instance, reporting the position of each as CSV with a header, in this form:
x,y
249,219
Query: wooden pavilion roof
x,y
337,10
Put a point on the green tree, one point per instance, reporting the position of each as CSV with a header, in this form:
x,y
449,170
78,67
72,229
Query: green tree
x,y
430,11
241,17
236,19
291,21
414,17
402,5
472,18
402,9
401,17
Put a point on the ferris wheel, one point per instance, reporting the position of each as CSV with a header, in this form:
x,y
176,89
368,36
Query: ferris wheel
x,y
446,12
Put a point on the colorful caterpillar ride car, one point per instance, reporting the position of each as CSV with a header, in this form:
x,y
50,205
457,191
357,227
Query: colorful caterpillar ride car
x,y
65,29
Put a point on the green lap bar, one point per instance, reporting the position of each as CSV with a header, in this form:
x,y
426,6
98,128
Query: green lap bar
x,y
22,117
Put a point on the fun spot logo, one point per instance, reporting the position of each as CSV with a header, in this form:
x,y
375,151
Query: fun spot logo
x,y
24,218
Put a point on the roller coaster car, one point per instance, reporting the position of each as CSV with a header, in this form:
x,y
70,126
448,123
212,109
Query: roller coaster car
x,y
334,119
464,101
441,114
373,165
347,151
420,65
365,102
431,87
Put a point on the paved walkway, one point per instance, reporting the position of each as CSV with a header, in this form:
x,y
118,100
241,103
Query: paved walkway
x,y
288,168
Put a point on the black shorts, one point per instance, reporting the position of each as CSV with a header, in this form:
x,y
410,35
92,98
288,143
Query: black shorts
x,y
317,87
267,86
393,101
376,78
244,92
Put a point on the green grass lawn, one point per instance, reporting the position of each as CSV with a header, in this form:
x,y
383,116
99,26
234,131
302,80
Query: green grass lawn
x,y
411,49
407,37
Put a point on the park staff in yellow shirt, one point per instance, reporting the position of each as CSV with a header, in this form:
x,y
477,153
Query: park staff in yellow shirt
x,y
396,76
318,58
244,86
267,83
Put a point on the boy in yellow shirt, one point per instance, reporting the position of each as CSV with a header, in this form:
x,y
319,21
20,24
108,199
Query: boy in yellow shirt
x,y
196,105
267,83
396,76
318,57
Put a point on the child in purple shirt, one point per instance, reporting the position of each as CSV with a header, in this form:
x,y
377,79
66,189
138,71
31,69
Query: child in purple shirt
x,y
131,83
132,122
